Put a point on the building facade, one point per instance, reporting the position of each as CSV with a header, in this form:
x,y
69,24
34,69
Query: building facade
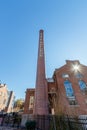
x,y
70,91
29,101
10,102
6,99
3,97
64,93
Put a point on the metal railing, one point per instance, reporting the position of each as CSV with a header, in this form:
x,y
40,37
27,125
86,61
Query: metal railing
x,y
10,120
60,123
49,122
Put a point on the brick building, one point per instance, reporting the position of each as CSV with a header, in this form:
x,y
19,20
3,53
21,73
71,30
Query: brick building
x,y
64,93
69,88
29,101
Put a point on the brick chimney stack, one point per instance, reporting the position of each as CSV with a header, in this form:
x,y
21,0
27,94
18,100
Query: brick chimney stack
x,y
41,94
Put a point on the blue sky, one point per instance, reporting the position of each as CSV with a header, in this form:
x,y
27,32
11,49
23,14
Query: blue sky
x,y
65,34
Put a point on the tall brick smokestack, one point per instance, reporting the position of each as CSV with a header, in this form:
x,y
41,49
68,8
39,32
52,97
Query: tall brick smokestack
x,y
41,95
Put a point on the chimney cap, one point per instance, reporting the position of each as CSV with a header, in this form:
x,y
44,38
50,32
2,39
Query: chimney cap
x,y
41,30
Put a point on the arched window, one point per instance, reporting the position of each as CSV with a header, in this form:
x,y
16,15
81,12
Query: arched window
x,y
68,88
79,75
82,85
65,75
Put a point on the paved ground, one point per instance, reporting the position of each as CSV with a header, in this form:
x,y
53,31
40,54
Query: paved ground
x,y
8,128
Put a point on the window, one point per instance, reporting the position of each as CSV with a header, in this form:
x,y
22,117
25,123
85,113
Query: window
x,y
70,93
31,102
68,88
50,80
65,76
0,93
78,75
82,85
4,101
72,102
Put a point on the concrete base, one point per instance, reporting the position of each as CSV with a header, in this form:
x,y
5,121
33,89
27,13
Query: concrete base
x,y
25,118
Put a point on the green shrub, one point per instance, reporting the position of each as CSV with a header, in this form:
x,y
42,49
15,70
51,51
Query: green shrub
x,y
30,125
